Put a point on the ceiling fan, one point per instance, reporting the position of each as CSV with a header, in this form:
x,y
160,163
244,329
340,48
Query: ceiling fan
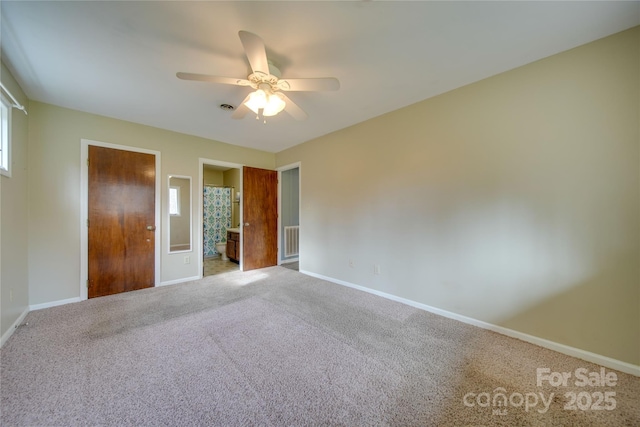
x,y
268,98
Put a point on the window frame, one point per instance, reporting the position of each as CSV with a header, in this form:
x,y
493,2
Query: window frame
x,y
5,136
177,190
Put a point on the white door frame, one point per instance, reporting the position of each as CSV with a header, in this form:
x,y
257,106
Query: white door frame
x,y
84,209
280,237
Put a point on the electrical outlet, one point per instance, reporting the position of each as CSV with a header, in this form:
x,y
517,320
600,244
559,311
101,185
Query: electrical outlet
x,y
376,269
187,260
352,264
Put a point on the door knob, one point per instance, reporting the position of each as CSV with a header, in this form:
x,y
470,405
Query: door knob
x,y
246,224
151,227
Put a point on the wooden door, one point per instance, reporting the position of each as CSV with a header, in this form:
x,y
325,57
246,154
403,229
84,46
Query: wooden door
x,y
260,218
122,192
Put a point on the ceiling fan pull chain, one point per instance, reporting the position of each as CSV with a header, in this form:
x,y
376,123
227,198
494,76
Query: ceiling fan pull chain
x,y
263,117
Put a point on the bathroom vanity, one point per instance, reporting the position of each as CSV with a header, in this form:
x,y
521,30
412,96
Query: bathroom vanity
x,y
233,244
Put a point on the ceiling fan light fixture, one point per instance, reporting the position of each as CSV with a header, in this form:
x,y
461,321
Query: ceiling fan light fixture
x,y
270,103
274,105
257,101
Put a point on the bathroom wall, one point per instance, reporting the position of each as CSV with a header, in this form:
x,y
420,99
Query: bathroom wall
x,y
212,176
514,200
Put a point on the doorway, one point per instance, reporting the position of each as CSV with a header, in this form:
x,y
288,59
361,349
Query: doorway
x,y
220,213
289,216
255,242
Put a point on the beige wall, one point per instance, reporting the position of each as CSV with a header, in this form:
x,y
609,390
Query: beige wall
x,y
55,135
514,200
14,296
212,176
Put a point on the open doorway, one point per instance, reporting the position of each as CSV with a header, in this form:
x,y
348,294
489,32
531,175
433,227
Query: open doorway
x,y
220,218
289,216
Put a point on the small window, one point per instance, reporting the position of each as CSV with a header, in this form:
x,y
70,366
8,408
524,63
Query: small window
x,y
5,136
174,201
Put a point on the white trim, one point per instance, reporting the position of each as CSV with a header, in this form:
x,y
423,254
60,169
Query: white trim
x,y
84,207
13,327
280,170
279,225
182,280
181,251
289,166
199,229
5,167
551,345
35,307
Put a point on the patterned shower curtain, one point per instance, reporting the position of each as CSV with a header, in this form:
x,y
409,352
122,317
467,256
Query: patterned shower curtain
x,y
217,217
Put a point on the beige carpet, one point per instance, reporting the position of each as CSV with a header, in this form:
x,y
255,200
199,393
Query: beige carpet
x,y
274,347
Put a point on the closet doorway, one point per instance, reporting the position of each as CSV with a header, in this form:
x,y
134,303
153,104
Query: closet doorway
x,y
220,208
289,216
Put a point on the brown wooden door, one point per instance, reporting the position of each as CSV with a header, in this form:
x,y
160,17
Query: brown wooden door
x,y
122,194
260,217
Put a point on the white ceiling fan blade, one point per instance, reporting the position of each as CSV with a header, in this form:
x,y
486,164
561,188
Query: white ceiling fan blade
x,y
292,108
255,51
213,79
241,110
313,85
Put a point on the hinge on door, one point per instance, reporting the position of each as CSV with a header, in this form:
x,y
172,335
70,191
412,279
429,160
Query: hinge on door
x,y
87,162
87,222
87,283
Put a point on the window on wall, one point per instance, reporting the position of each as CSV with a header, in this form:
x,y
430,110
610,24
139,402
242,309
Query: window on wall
x,y
174,201
5,135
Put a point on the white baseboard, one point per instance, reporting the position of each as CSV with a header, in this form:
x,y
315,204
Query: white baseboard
x,y
13,327
77,299
175,282
53,303
551,345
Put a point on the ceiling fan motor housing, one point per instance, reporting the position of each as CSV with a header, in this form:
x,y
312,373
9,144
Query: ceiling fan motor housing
x,y
266,82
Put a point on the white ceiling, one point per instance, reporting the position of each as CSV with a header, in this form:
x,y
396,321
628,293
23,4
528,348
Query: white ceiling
x,y
119,59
